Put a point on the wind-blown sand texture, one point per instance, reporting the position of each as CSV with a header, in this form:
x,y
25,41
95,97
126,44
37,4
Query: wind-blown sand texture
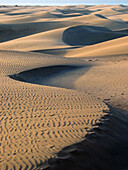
x,y
64,87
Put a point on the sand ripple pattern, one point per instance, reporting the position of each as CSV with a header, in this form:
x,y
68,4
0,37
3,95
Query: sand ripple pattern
x,y
36,121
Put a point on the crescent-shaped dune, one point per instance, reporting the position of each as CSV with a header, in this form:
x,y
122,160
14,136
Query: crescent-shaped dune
x,y
63,87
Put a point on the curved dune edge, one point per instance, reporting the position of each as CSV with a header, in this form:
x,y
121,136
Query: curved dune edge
x,y
38,121
39,75
89,35
104,147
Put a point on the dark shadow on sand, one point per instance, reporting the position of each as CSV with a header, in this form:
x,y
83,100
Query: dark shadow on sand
x,y
18,30
56,76
83,35
104,148
57,51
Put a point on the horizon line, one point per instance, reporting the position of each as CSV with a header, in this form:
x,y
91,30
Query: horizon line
x,y
59,4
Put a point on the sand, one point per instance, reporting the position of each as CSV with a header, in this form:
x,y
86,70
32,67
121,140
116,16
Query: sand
x,y
63,87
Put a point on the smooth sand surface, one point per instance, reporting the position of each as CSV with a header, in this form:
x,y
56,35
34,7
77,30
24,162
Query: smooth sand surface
x,y
64,87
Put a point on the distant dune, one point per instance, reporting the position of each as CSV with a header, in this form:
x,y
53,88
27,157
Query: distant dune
x,y
89,35
108,48
64,87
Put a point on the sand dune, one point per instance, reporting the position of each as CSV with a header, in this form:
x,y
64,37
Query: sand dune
x,y
45,14
113,47
88,35
14,31
63,87
50,39
122,17
31,124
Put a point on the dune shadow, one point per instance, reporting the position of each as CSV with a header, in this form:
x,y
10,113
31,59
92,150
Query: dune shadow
x,y
13,14
88,35
71,11
56,76
18,30
67,16
101,16
104,147
57,51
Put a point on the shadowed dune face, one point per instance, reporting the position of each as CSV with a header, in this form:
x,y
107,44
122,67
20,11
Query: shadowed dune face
x,y
89,35
14,31
71,11
17,13
105,146
55,76
40,75
101,16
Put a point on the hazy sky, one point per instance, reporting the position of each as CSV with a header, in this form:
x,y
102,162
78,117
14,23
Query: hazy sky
x,y
61,2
